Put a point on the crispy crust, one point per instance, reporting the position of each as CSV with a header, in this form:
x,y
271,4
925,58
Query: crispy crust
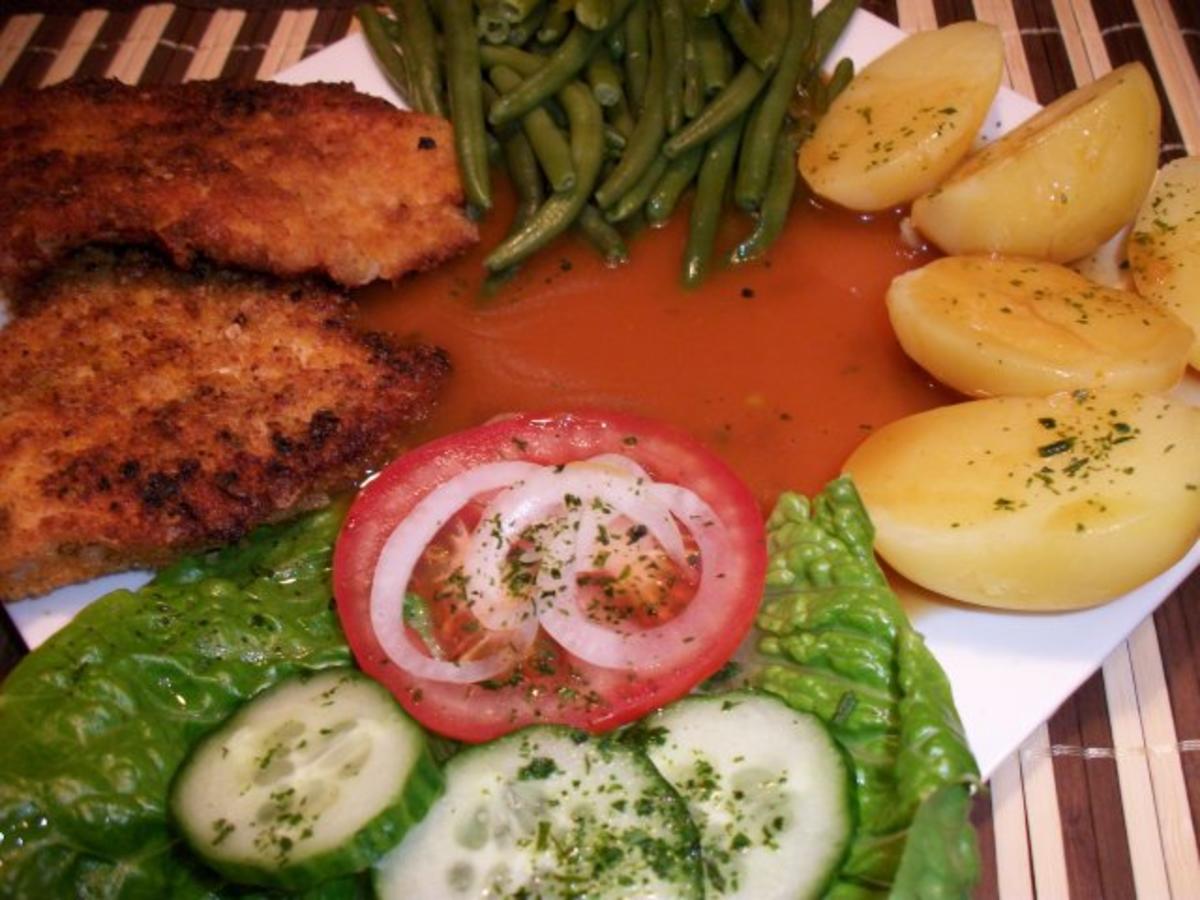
x,y
293,180
145,413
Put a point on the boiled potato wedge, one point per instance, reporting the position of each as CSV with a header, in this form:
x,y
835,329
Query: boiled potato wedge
x,y
907,119
1046,503
1059,185
1164,247
988,326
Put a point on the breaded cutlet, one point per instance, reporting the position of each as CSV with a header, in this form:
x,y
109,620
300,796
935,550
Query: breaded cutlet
x,y
292,180
147,412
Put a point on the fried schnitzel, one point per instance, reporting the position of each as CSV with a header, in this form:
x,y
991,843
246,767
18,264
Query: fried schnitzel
x,y
146,412
292,180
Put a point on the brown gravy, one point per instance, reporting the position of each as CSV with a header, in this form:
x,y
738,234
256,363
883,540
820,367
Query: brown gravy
x,y
781,367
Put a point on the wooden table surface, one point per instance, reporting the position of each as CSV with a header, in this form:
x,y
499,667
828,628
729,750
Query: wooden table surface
x,y
1100,801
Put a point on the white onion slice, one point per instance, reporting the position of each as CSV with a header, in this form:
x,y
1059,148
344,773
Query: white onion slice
x,y
394,569
663,646
529,496
558,573
541,499
654,514
666,532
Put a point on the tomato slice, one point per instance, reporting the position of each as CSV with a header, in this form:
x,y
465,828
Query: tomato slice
x,y
709,585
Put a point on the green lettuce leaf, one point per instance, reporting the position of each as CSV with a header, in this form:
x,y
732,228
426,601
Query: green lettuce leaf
x,y
837,643
138,676
940,858
94,723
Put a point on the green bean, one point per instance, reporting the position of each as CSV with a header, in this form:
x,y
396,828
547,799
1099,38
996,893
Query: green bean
x,y
494,282
693,89
549,145
563,208
706,8
706,208
673,24
606,239
515,11
419,40
595,14
522,32
635,198
495,152
648,133
526,177
556,23
391,26
620,118
637,53
490,95
522,166
394,67
491,26
466,101
605,79
723,109
828,26
615,41
494,148
776,20
557,113
711,55
614,140
556,70
843,74
766,120
675,180
777,201
756,45
520,61
634,225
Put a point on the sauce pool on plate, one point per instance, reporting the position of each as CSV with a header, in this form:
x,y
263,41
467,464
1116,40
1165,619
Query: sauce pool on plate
x,y
781,367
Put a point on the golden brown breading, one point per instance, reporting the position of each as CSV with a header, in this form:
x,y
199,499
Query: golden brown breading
x,y
292,180
146,412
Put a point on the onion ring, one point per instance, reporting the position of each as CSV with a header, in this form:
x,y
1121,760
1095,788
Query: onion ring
x,y
399,557
649,649
544,496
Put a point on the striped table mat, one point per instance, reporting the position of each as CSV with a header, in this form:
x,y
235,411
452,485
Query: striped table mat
x,y
1102,800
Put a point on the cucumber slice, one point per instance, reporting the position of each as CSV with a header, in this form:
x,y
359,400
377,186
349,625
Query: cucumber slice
x,y
767,786
312,779
548,812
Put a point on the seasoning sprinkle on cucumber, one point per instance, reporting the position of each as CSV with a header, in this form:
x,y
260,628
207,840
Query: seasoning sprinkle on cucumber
x,y
674,83
549,812
313,779
767,786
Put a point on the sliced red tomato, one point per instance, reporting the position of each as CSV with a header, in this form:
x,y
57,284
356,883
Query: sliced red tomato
x,y
650,603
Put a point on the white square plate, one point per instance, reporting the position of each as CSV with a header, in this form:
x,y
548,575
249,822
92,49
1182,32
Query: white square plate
x,y
1010,671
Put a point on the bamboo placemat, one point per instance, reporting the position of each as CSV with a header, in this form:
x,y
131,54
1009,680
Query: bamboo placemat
x,y
1102,800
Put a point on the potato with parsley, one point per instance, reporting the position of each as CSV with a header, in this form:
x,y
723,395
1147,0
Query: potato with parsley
x,y
1059,185
988,326
907,119
1047,503
1164,247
